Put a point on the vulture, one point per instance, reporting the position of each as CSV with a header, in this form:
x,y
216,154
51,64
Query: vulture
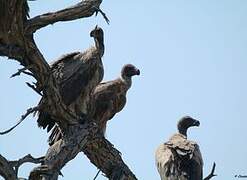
x,y
180,158
108,98
77,74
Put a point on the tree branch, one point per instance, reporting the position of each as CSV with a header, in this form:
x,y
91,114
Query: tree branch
x,y
29,111
9,169
6,170
25,159
108,159
22,70
211,175
12,51
83,138
83,9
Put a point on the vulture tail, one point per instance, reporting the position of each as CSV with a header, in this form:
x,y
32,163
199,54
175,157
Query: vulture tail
x,y
56,135
45,120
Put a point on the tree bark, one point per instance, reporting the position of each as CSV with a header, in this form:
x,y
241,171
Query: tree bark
x,y
16,42
9,169
6,170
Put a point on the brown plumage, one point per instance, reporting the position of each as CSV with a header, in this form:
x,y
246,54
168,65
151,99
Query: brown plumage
x,y
108,98
180,158
77,75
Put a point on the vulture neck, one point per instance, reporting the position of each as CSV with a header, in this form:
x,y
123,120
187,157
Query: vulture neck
x,y
127,80
99,44
183,131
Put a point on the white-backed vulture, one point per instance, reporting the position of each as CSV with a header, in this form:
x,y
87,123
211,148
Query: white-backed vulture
x,y
108,98
180,158
77,74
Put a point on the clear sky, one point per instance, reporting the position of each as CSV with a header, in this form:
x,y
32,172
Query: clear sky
x,y
192,57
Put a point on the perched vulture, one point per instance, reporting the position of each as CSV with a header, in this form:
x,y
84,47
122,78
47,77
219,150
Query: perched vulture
x,y
180,158
77,74
108,98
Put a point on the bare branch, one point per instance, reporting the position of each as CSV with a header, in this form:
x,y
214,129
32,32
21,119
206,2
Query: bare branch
x,y
108,159
86,139
12,51
9,169
29,111
34,88
22,70
25,159
6,170
96,175
83,9
211,175
103,14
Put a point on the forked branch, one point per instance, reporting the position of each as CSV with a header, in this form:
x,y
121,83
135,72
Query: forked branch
x,y
9,169
211,175
83,9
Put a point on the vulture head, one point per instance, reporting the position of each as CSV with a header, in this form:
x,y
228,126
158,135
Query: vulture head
x,y
185,123
97,33
129,70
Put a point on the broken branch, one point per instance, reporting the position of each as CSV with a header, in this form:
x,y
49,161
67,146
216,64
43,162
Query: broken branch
x,y
23,70
103,14
33,88
29,111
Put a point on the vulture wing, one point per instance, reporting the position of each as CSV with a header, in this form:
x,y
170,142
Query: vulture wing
x,y
109,96
106,101
180,159
77,74
74,73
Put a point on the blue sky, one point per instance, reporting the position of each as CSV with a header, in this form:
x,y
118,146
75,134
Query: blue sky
x,y
192,57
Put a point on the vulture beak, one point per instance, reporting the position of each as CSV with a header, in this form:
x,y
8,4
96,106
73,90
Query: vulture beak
x,y
196,123
137,72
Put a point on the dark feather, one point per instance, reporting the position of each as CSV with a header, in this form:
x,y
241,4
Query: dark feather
x,y
108,98
77,75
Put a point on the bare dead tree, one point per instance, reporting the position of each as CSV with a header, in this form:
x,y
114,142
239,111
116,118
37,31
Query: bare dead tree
x,y
16,42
